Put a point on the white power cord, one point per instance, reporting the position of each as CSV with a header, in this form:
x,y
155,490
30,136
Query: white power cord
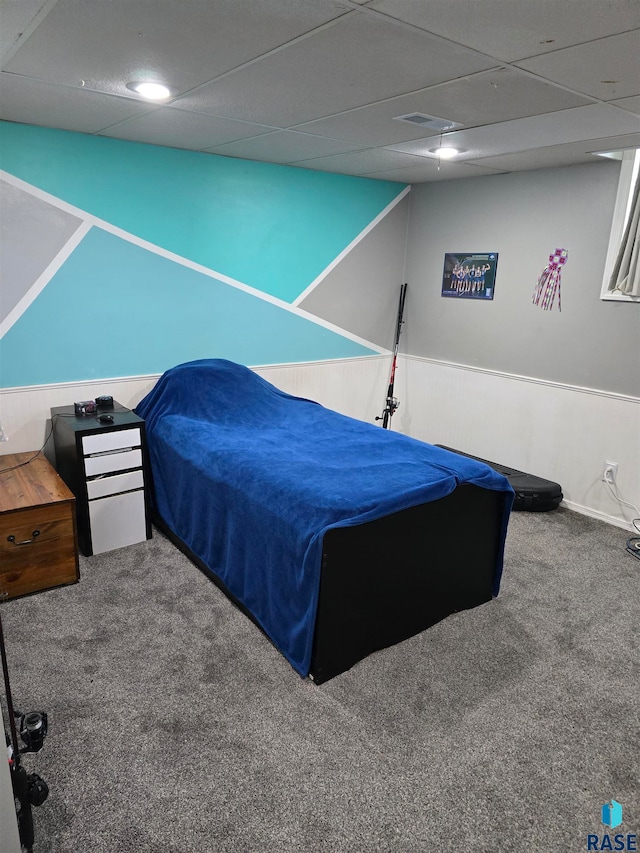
x,y
633,543
614,492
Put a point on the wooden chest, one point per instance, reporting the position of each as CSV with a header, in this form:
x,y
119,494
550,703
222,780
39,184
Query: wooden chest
x,y
38,541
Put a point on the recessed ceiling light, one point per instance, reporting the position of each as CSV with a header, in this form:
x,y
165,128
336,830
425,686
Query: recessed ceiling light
x,y
446,152
150,91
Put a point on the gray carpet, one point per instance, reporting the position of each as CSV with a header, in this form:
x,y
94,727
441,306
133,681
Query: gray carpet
x,y
175,726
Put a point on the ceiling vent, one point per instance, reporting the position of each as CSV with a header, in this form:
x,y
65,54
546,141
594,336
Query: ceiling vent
x,y
429,122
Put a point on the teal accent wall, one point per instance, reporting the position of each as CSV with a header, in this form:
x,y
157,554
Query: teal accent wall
x,y
115,308
273,227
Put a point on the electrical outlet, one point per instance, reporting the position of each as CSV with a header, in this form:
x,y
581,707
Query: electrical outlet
x,y
3,435
610,472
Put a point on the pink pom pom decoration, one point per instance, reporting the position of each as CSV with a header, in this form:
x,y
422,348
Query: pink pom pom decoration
x,y
549,281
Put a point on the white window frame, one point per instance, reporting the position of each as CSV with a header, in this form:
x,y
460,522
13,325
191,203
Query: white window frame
x,y
628,171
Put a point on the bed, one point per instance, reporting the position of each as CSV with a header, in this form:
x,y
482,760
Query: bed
x,y
336,537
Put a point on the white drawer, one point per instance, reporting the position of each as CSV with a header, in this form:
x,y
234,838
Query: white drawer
x,y
112,462
112,440
115,483
117,521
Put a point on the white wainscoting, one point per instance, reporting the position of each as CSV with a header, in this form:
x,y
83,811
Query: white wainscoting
x,y
355,387
24,412
561,432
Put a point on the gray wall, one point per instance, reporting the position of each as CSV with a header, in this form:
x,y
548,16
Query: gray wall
x,y
524,217
32,232
361,293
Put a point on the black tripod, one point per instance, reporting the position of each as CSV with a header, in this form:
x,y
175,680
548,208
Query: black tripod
x,y
28,788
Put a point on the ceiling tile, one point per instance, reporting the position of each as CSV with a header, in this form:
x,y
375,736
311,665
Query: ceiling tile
x,y
591,122
361,162
554,156
424,174
606,69
515,29
184,44
631,104
356,60
180,129
16,18
283,146
483,98
374,124
34,102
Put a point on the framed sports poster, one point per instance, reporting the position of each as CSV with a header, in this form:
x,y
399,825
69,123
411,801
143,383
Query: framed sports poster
x,y
469,276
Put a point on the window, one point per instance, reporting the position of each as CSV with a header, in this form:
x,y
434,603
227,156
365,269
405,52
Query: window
x,y
630,166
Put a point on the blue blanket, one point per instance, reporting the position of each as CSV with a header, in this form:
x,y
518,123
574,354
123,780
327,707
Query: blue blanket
x,y
250,479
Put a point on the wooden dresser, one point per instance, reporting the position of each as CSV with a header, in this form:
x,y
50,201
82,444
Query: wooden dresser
x,y
38,540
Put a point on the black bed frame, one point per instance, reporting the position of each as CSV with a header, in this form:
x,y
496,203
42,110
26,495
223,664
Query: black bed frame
x,y
387,580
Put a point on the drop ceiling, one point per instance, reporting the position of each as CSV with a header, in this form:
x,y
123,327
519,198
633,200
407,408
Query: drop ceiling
x,y
319,84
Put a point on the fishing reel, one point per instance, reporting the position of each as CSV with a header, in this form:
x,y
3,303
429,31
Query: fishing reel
x,y
392,404
30,787
33,730
37,789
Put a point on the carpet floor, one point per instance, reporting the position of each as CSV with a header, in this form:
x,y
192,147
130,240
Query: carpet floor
x,y
175,726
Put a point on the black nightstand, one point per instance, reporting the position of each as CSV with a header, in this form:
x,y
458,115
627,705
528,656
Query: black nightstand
x,y
105,466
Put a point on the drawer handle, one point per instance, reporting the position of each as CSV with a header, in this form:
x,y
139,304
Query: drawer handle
x,y
34,536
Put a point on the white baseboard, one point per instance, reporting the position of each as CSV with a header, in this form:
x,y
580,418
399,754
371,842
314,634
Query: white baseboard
x,y
601,516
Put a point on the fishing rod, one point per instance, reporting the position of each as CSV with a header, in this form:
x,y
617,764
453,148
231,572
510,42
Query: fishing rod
x,y
29,789
391,403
